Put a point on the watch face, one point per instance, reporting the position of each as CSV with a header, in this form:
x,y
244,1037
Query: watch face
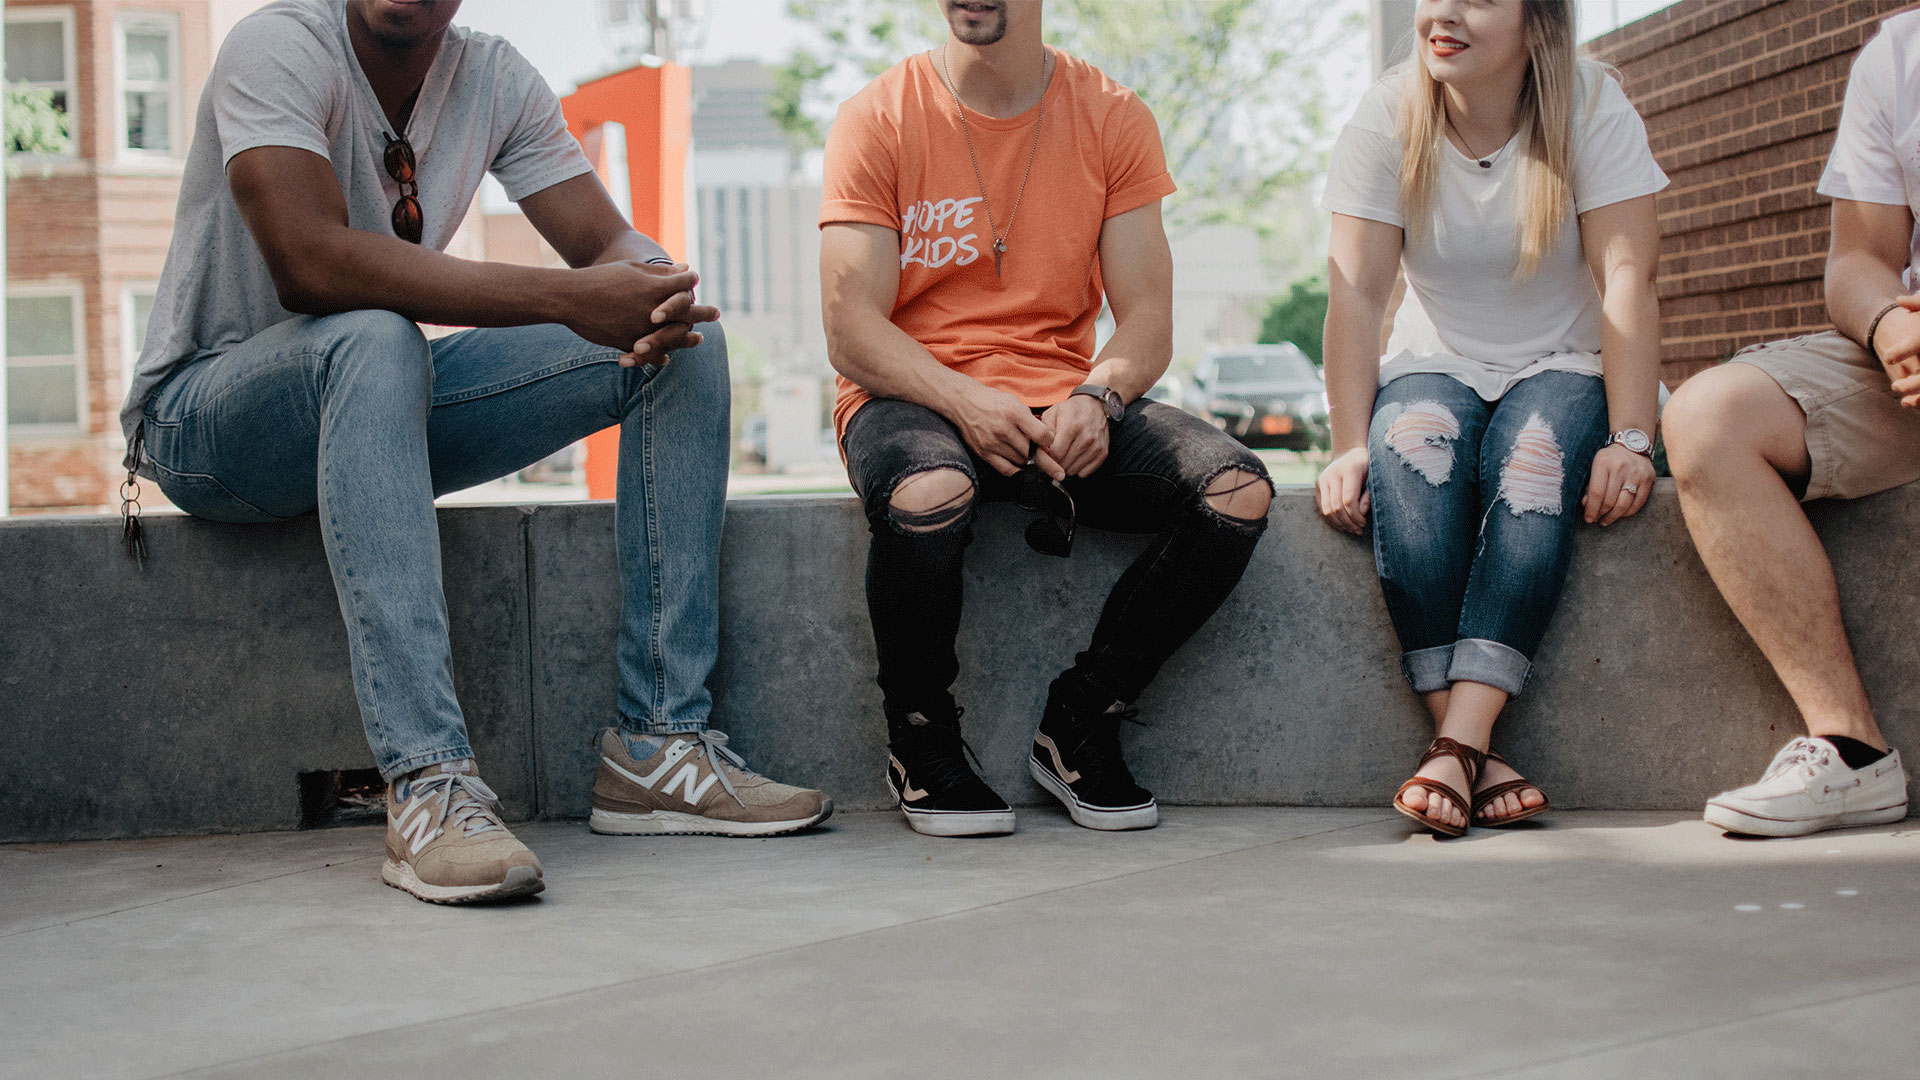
x,y
1116,410
1635,440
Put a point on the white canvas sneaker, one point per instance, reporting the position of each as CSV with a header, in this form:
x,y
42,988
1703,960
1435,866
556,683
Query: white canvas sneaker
x,y
1808,788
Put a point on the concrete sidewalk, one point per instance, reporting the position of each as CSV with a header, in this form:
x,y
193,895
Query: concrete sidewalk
x,y
1228,942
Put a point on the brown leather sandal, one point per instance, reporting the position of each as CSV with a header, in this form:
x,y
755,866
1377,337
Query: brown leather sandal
x,y
1482,798
1469,759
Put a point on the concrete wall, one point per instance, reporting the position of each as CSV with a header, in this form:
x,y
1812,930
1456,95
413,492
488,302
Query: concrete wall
x,y
189,695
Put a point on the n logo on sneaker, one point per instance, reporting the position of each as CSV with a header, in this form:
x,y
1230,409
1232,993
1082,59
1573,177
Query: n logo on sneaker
x,y
684,779
416,827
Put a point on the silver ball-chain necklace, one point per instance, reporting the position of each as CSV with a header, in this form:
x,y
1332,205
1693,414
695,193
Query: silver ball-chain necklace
x,y
999,238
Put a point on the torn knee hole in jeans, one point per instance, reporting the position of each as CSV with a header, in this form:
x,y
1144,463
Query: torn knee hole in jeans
x,y
1226,494
1226,490
938,510
1422,436
1535,470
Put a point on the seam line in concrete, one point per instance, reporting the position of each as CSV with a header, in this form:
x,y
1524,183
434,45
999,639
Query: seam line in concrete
x,y
191,895
1660,1037
770,953
536,791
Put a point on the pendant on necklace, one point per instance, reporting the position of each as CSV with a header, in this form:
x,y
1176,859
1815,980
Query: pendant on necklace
x,y
999,249
1486,164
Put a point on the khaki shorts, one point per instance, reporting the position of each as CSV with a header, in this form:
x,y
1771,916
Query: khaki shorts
x,y
1859,437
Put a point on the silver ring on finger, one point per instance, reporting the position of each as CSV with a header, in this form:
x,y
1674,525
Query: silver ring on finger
x,y
1630,489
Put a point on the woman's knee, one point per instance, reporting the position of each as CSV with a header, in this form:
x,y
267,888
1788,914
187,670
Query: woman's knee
x,y
1421,435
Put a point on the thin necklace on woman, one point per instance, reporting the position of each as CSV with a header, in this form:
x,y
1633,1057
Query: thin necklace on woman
x,y
999,238
1485,162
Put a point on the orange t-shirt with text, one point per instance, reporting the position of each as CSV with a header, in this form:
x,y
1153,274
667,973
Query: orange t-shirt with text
x,y
897,157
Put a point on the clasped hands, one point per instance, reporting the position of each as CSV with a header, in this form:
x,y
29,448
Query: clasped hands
x,y
644,309
1069,439
1897,341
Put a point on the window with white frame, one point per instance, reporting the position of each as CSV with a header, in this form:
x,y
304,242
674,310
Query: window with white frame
x,y
147,55
46,371
136,308
40,55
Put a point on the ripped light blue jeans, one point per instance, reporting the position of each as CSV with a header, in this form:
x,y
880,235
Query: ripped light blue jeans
x,y
1474,504
359,416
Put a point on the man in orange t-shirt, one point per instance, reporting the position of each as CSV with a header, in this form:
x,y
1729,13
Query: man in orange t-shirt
x,y
980,199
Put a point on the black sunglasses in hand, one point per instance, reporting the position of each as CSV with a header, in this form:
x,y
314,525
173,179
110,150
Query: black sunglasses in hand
x,y
1052,532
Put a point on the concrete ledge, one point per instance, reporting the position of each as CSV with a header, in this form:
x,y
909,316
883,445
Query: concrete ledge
x,y
186,697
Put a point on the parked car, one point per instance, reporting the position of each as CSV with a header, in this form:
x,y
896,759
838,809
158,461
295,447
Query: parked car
x,y
1263,395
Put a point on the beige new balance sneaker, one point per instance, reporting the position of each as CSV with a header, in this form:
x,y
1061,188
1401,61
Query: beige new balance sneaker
x,y
445,842
694,784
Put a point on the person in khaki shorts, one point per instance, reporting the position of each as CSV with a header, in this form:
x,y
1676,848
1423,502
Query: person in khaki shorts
x,y
1830,415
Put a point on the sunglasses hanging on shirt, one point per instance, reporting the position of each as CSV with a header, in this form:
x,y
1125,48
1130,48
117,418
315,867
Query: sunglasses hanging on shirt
x,y
407,218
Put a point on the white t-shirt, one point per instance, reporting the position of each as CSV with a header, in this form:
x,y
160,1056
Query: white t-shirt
x,y
1467,314
287,76
1876,154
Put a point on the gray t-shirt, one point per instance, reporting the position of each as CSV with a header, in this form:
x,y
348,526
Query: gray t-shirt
x,y
287,76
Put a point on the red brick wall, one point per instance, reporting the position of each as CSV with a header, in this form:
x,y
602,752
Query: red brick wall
x,y
104,224
1741,99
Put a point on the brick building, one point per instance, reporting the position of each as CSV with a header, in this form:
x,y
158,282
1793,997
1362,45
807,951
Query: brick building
x,y
1741,100
87,229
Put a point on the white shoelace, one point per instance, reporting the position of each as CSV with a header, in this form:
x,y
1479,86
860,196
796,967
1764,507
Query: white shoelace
x,y
1801,751
474,812
715,745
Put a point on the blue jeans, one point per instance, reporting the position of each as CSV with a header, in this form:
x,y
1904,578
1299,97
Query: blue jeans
x,y
361,417
1473,512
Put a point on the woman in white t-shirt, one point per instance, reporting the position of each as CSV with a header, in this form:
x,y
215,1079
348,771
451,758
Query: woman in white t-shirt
x,y
1512,184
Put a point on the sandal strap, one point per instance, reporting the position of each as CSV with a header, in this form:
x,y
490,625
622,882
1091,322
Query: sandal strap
x,y
1504,787
1469,760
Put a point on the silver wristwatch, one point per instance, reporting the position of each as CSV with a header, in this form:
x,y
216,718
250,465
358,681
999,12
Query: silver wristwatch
x,y
1633,439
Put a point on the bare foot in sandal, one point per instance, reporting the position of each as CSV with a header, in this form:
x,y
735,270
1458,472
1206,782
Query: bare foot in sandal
x,y
1435,796
1502,796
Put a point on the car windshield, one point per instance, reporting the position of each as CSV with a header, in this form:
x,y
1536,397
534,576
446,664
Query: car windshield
x,y
1270,367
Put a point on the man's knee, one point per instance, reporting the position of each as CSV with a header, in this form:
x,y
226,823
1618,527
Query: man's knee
x,y
1242,493
932,501
1731,411
700,372
376,355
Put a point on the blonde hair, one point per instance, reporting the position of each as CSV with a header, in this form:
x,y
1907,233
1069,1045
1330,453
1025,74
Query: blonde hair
x,y
1555,72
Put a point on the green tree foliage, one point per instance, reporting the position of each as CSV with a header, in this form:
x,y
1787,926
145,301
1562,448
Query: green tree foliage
x,y
1299,317
34,125
1235,84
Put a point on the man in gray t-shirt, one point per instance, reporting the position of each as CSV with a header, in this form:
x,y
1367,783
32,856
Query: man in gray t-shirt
x,y
336,149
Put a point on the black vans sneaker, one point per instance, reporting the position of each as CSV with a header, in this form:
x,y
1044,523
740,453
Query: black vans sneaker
x,y
938,791
1076,756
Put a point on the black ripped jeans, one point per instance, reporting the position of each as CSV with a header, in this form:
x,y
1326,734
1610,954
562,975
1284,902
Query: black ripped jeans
x,y
1159,464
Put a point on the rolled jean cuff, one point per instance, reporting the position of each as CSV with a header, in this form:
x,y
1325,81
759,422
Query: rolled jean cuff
x,y
648,727
416,762
1426,669
1482,661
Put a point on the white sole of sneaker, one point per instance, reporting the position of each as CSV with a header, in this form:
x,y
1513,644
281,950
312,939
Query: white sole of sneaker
x,y
1739,821
1145,816
955,822
520,881
673,823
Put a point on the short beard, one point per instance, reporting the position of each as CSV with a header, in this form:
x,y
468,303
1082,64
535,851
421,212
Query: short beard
x,y
986,35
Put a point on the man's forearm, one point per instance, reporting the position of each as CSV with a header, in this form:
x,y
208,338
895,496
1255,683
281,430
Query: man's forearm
x,y
631,245
1135,357
352,270
1859,286
887,362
